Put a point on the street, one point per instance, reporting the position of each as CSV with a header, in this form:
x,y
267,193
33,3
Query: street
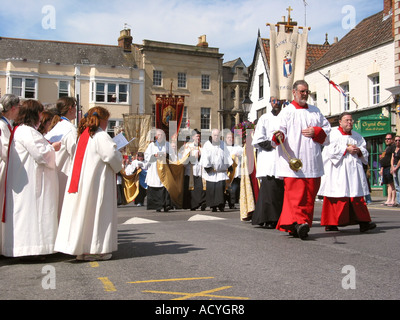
x,y
200,255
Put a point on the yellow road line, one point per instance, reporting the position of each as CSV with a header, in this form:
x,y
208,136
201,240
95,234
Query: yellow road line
x,y
168,280
107,284
94,264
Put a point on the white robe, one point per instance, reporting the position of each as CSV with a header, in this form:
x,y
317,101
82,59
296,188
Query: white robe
x,y
266,160
193,159
152,178
291,122
344,173
237,153
68,133
4,141
31,196
88,223
217,157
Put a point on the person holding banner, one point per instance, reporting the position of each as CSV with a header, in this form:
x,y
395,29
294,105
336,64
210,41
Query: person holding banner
x,y
270,198
157,195
88,224
302,131
215,161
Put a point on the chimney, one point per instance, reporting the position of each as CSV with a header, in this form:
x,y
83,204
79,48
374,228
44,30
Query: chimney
x,y
125,40
387,7
203,41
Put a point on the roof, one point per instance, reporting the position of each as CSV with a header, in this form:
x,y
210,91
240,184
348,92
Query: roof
x,y
66,53
371,32
314,52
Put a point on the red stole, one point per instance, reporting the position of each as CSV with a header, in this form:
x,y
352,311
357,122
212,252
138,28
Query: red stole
x,y
3,219
79,155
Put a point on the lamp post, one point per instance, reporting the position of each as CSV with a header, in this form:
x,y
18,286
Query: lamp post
x,y
246,105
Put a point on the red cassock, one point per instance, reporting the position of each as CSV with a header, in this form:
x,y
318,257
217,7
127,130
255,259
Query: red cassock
x,y
344,211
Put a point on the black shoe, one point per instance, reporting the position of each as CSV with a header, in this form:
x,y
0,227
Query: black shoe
x,y
365,226
302,230
331,228
203,207
270,225
214,209
221,208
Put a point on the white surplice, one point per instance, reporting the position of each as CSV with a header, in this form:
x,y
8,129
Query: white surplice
x,y
88,223
152,178
291,122
68,134
31,196
266,160
344,173
218,157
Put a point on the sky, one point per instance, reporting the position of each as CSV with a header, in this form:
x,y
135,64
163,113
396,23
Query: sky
x,y
230,25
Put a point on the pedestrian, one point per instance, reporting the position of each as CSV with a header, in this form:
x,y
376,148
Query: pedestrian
x,y
194,195
385,170
303,129
88,225
236,152
9,108
216,161
65,131
31,195
395,165
344,183
158,197
270,198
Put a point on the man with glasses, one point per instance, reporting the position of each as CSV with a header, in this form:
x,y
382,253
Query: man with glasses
x,y
344,183
302,129
385,171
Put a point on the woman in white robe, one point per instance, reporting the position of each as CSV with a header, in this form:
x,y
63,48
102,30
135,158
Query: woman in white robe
x,y
88,222
65,132
30,216
9,107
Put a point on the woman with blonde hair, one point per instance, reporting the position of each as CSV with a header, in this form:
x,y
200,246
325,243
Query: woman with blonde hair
x,y
88,223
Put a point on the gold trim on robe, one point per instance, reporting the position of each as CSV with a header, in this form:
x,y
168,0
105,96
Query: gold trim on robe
x,y
131,185
247,202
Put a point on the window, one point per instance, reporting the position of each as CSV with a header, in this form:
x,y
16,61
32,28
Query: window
x,y
112,124
185,123
111,92
24,87
63,89
346,100
375,89
205,82
157,78
205,118
260,112
261,86
181,80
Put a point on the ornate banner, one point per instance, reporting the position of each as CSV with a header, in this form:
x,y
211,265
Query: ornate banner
x,y
169,108
288,60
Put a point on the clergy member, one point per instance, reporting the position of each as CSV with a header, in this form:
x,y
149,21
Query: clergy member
x,y
65,132
303,129
270,198
31,196
88,222
344,183
157,195
215,161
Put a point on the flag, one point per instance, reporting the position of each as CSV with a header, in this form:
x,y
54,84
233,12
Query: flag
x,y
336,86
169,108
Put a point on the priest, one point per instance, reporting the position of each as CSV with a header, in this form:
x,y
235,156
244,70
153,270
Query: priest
x,y
345,184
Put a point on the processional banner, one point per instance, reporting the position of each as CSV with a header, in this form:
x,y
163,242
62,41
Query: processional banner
x,y
287,60
169,108
137,126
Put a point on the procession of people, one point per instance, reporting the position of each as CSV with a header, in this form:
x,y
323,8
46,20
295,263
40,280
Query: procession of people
x,y
59,189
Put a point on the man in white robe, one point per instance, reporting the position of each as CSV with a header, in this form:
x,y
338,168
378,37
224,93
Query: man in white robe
x,y
157,195
344,183
30,215
270,197
303,129
215,161
89,218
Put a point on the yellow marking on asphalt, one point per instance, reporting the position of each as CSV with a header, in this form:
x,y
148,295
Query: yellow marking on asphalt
x,y
94,264
171,280
107,284
206,293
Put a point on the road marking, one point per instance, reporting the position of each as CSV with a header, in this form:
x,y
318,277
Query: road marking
x,y
206,293
139,221
107,285
168,280
94,264
201,217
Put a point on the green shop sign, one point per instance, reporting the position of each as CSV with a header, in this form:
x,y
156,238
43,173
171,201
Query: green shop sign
x,y
372,125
